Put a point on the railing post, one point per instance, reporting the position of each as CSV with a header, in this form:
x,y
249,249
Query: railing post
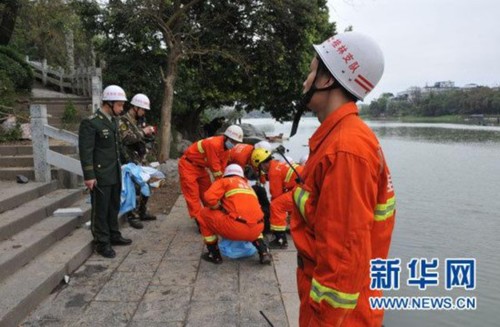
x,y
44,71
61,79
40,142
96,90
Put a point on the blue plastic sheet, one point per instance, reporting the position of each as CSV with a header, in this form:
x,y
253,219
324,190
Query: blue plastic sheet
x,y
236,249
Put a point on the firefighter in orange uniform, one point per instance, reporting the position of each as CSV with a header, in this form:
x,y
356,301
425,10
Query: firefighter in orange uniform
x,y
345,208
282,178
211,153
233,212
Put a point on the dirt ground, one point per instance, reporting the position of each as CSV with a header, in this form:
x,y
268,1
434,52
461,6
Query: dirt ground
x,y
164,198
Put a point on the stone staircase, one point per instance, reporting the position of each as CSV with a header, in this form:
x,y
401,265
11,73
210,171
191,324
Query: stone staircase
x,y
37,249
18,159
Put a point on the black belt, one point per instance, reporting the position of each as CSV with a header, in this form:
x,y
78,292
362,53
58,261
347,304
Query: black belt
x,y
243,221
193,163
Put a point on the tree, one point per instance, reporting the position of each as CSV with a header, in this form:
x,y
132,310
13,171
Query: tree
x,y
248,54
10,10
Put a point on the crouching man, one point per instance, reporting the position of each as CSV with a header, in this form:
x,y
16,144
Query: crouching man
x,y
233,212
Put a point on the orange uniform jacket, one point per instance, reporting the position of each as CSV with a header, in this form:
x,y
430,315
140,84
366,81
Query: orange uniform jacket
x,y
240,154
343,217
237,198
281,177
209,153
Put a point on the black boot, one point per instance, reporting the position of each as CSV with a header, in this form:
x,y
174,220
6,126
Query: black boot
x,y
213,254
105,250
143,214
280,242
134,221
264,255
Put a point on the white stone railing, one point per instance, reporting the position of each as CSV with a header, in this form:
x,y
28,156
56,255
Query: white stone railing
x,y
43,157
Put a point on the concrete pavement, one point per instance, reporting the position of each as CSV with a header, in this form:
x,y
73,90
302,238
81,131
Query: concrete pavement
x,y
161,281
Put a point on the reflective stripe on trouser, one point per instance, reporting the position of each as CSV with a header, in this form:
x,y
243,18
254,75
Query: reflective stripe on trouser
x,y
280,207
104,214
300,197
333,297
215,222
194,181
384,211
361,316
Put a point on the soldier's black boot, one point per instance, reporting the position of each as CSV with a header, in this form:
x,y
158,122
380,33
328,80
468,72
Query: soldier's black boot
x,y
264,255
134,221
143,214
105,250
280,242
213,254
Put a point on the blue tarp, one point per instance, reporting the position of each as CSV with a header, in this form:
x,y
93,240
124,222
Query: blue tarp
x,y
131,174
236,249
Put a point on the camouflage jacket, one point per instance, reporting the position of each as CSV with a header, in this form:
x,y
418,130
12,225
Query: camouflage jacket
x,y
133,140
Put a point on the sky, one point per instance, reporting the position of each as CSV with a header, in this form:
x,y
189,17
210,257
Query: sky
x,y
425,41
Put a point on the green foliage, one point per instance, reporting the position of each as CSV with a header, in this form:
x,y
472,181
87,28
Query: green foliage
x,y
248,54
480,100
70,114
11,135
41,30
16,69
7,90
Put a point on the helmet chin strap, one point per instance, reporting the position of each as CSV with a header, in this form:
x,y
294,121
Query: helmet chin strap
x,y
113,109
306,98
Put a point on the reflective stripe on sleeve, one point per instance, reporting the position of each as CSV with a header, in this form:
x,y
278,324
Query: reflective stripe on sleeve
x,y
300,197
239,191
200,147
217,173
290,172
333,297
383,211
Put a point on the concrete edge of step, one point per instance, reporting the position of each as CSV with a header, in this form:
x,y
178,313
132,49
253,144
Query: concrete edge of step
x,y
61,259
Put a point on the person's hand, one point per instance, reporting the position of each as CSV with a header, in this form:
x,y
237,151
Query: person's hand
x,y
148,130
90,183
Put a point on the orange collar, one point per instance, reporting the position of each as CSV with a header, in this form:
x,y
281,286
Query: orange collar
x,y
330,122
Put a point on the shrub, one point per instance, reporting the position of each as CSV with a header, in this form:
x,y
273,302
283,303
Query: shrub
x,y
14,66
70,114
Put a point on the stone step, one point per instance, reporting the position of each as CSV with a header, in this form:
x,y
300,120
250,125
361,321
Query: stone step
x,y
16,161
25,290
10,173
18,219
26,245
13,195
22,150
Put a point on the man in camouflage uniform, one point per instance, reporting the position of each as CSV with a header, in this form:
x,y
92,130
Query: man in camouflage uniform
x,y
134,147
99,146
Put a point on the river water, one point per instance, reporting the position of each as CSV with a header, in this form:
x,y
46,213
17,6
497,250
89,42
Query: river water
x,y
447,183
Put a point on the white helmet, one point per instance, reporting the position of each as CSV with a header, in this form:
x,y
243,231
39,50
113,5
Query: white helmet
x,y
355,60
233,169
140,100
303,159
263,145
235,133
113,93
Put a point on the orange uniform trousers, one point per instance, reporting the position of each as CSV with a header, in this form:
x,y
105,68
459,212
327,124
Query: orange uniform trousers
x,y
216,222
194,181
280,207
353,319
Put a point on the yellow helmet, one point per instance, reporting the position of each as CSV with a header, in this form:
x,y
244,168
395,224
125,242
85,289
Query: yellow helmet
x,y
259,156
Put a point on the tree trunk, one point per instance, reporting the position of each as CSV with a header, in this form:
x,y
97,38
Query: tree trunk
x,y
166,107
8,21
